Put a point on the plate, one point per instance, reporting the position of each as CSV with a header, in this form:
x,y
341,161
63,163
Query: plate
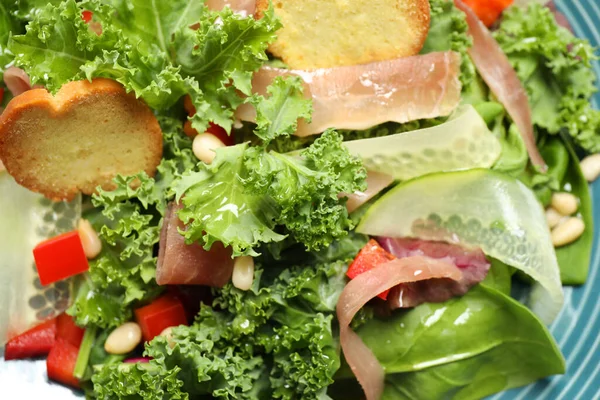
x,y
577,328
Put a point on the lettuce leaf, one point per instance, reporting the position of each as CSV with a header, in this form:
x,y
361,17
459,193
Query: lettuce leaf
x,y
151,50
555,68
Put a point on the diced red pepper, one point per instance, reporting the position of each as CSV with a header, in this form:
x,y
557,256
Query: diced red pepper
x,y
60,257
221,134
368,258
61,361
86,16
488,11
162,313
33,343
1,95
68,330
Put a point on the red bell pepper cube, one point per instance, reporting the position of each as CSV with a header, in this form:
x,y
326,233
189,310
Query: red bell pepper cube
x,y
86,16
1,95
368,258
162,313
67,330
488,11
33,343
60,257
61,361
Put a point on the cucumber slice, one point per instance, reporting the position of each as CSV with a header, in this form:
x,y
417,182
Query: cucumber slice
x,y
27,218
462,142
478,208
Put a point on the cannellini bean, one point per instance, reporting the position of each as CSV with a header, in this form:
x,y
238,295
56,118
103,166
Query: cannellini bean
x,y
567,231
168,334
204,145
243,272
92,245
123,339
553,217
590,166
565,203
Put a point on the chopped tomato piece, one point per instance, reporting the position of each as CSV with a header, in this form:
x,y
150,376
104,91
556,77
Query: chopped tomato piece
x,y
86,16
488,11
162,313
60,257
368,258
61,361
33,343
66,329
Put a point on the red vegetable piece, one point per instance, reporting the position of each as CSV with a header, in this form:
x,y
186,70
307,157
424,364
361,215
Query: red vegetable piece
x,y
221,134
1,95
60,257
488,11
162,313
33,343
67,330
368,258
60,363
86,16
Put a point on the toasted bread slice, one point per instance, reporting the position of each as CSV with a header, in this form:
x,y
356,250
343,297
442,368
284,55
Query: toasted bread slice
x,y
332,33
79,139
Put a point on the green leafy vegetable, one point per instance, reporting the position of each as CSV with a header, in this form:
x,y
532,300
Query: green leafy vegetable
x,y
574,258
465,348
449,31
247,194
151,50
556,71
137,380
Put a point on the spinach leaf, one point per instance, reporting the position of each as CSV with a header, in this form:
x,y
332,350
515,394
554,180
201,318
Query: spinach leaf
x,y
574,258
465,348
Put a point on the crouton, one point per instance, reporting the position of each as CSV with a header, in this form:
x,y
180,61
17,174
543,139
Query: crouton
x,y
79,139
332,33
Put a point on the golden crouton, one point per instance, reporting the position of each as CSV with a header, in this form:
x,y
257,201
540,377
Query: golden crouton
x,y
79,139
331,33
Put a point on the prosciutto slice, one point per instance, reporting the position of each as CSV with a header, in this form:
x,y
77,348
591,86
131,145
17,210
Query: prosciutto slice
x,y
180,263
16,80
500,76
472,263
362,96
363,288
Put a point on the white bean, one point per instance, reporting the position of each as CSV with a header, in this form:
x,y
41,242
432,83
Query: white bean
x,y
565,203
567,231
204,146
123,339
243,272
553,217
92,245
590,166
168,334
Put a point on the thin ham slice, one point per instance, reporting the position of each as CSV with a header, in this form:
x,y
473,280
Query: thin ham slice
x,y
496,70
183,264
16,80
376,182
243,7
362,96
364,287
472,263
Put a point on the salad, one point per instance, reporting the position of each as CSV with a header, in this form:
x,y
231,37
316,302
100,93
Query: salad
x,y
245,199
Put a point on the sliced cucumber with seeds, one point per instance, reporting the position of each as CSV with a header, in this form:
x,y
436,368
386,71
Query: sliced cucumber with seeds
x,y
478,208
462,142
